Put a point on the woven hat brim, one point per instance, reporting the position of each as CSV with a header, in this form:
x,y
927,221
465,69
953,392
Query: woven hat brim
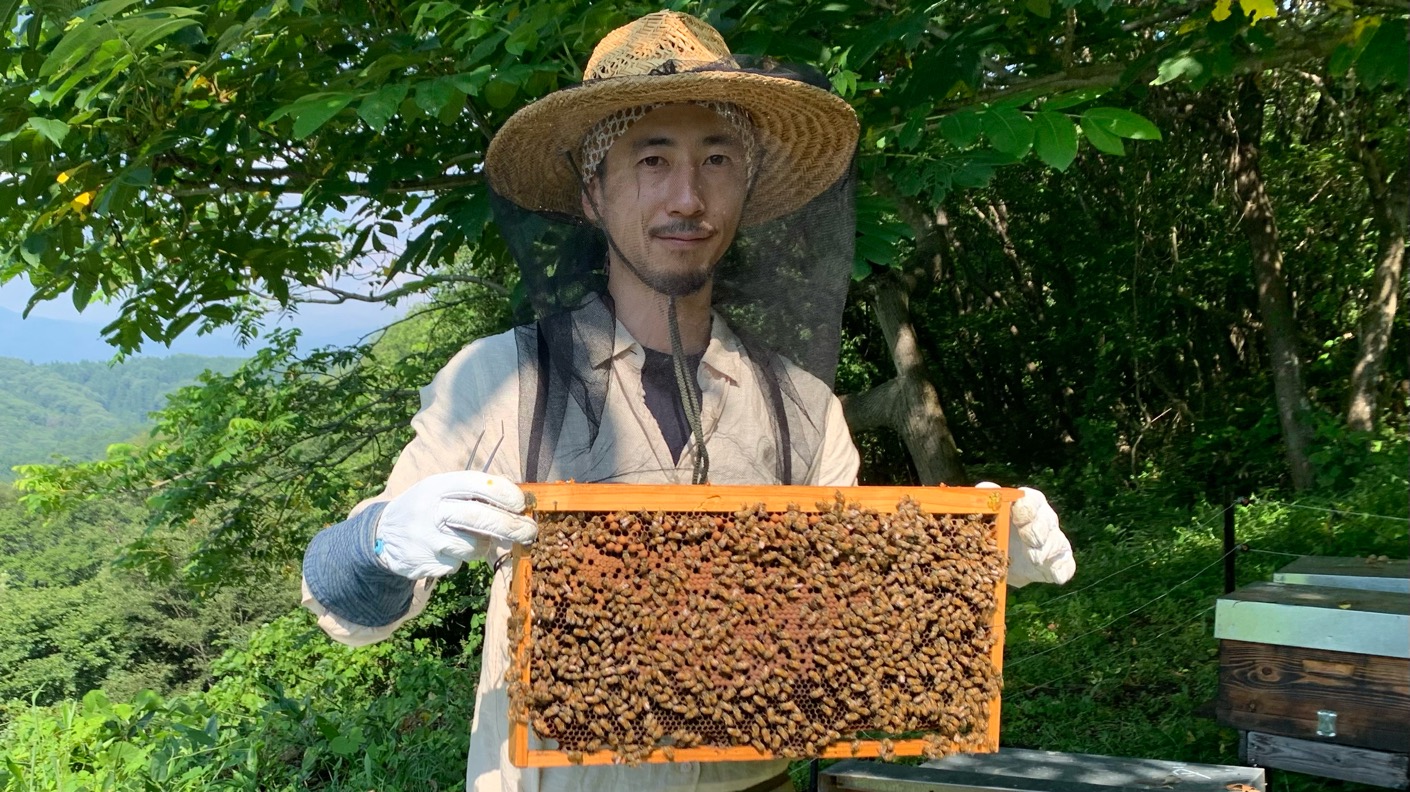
x,y
807,137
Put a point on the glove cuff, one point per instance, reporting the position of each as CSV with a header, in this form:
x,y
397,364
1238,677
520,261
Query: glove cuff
x,y
342,573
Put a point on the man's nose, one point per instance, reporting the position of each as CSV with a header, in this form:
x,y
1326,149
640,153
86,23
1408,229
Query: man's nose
x,y
685,197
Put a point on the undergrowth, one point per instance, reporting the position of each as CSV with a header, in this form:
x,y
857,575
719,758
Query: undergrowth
x,y
1121,661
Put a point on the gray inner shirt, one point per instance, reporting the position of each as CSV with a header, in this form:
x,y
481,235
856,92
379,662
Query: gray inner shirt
x,y
663,396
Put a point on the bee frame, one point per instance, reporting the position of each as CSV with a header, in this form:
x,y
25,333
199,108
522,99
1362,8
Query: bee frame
x,y
608,498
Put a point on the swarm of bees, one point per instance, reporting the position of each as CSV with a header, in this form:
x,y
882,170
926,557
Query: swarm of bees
x,y
788,632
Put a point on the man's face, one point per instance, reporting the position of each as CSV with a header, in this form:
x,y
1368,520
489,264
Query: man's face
x,y
670,196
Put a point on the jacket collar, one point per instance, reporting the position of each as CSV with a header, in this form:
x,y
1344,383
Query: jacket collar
x,y
724,355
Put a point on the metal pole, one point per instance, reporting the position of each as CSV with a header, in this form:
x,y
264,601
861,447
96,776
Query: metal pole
x,y
1228,542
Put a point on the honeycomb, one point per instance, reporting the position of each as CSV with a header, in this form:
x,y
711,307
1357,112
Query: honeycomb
x,y
784,631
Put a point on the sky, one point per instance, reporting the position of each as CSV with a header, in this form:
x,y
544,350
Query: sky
x,y
39,339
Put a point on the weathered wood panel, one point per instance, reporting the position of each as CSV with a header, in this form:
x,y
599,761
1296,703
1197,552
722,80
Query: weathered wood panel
x,y
1345,763
1353,573
1279,689
1020,770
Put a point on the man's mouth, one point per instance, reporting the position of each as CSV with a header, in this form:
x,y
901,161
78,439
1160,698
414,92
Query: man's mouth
x,y
683,234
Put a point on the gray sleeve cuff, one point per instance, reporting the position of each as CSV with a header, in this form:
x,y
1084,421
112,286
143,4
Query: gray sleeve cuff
x,y
342,573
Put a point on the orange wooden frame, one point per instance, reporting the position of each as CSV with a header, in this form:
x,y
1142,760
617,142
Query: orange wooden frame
x,y
568,497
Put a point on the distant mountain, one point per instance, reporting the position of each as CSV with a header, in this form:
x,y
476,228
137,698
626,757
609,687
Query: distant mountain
x,y
41,340
76,410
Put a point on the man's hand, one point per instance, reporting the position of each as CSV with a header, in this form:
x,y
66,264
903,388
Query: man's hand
x,y
449,518
1038,550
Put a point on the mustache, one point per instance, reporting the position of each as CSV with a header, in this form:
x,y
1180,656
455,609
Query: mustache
x,y
682,227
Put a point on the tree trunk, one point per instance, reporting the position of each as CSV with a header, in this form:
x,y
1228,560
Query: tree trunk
x,y
1390,202
1274,301
909,403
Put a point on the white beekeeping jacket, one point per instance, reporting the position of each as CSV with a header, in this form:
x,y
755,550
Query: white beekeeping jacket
x,y
473,405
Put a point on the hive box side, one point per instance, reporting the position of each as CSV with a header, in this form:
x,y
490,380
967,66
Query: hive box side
x,y
1341,762
1018,770
1280,690
1312,617
1105,771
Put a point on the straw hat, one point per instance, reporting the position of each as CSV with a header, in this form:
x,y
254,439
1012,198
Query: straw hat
x,y
806,135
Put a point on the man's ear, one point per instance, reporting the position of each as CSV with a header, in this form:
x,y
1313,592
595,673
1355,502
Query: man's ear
x,y
591,198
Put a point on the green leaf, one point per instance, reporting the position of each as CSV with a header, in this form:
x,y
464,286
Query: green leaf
x,y
7,13
961,128
76,45
147,33
524,38
1173,69
1042,8
1121,123
313,111
32,250
1102,140
471,82
1008,130
55,131
95,702
196,737
500,93
346,744
83,292
1055,139
1351,47
377,108
1386,59
436,97
913,130
972,175
1072,98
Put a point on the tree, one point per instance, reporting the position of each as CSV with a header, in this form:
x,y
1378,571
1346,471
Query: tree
x,y
186,160
1256,216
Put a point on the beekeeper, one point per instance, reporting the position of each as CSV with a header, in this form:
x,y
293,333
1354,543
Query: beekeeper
x,y
683,222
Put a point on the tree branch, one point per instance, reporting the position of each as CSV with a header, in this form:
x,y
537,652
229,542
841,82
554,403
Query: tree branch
x,y
871,409
295,187
1109,75
341,296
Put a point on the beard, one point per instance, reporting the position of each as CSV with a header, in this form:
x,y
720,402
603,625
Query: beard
x,y
666,280
676,284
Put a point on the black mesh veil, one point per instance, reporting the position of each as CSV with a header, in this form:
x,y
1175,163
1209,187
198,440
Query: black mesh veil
x,y
779,289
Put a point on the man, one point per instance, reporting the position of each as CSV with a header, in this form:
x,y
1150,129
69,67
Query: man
x,y
668,154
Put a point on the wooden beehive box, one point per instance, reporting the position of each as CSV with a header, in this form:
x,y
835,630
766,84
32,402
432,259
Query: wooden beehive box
x,y
714,649
1025,770
1317,678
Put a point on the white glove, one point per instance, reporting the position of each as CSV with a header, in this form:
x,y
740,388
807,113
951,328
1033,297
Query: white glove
x,y
449,518
1038,550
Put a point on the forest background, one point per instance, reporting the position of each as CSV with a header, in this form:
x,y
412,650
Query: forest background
x,y
1145,256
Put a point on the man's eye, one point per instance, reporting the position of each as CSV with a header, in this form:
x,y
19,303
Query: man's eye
x,y
717,159
653,161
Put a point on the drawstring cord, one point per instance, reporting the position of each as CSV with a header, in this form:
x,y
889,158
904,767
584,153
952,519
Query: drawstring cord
x,y
692,406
